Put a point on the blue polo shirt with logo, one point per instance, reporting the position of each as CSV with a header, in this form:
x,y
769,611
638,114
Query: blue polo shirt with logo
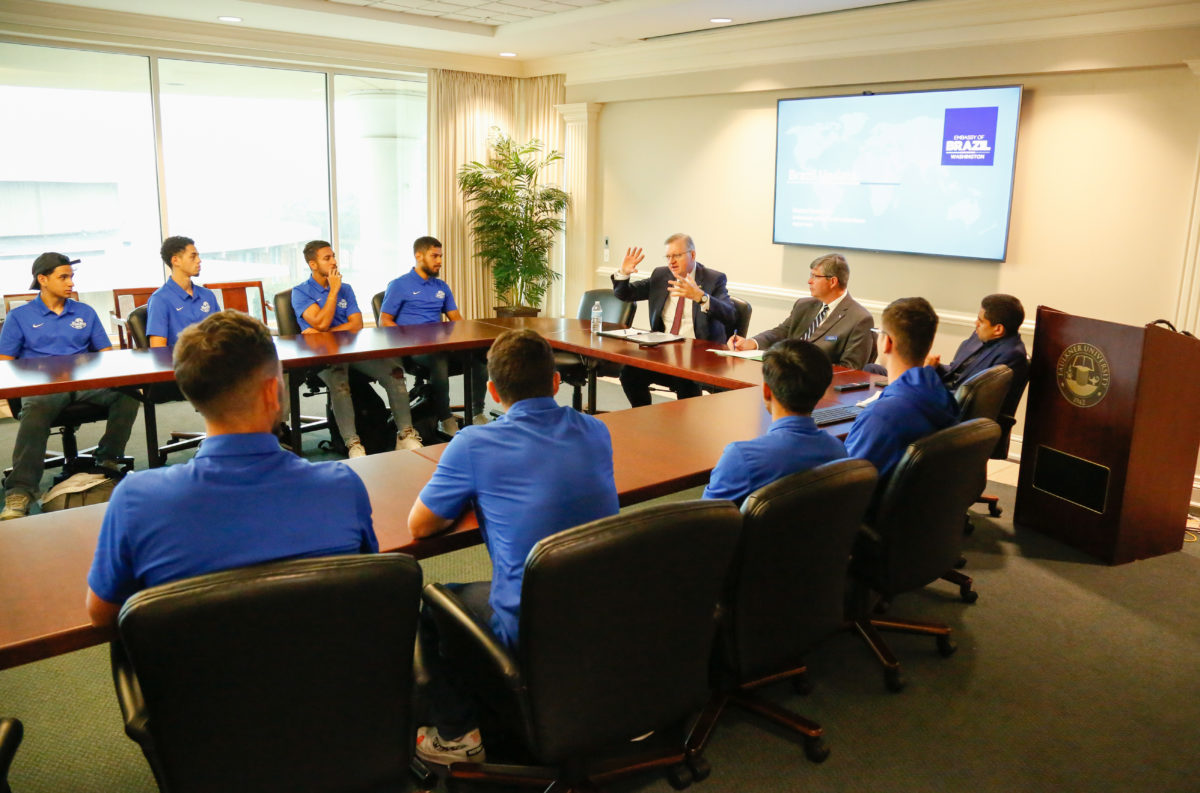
x,y
241,500
310,292
32,330
171,309
412,300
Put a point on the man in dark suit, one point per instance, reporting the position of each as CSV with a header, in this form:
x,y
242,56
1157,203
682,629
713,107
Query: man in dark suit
x,y
830,319
996,341
672,290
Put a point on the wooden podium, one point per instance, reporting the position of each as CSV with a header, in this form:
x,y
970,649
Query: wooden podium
x,y
1111,436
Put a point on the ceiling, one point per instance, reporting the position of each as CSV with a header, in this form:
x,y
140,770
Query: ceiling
x,y
528,28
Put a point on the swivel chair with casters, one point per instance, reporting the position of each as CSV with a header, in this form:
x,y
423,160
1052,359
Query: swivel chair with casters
x,y
786,592
67,423
1004,415
290,676
11,732
741,316
616,632
285,318
578,371
158,394
914,534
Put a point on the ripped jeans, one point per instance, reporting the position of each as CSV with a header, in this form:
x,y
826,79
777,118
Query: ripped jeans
x,y
388,372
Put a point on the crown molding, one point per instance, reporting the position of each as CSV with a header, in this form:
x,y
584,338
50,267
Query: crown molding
x,y
30,21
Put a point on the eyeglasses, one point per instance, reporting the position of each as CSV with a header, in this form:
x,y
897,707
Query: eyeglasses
x,y
818,275
673,256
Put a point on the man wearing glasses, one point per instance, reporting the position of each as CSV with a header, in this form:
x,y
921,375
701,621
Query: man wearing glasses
x,y
686,299
830,319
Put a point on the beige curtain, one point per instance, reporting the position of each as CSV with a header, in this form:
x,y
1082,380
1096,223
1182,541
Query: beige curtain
x,y
463,107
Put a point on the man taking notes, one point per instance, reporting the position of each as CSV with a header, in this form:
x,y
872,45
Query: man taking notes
x,y
241,500
795,375
324,303
830,319
419,297
915,403
686,299
54,324
537,470
179,302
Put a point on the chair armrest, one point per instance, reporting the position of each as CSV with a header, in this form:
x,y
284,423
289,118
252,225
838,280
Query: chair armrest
x,y
11,733
119,322
469,644
129,695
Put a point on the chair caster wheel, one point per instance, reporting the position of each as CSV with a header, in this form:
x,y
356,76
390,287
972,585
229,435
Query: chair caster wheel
x,y
699,767
816,750
893,680
968,526
802,685
960,563
679,776
995,510
968,595
946,646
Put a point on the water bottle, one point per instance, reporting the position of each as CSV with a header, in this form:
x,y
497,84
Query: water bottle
x,y
597,317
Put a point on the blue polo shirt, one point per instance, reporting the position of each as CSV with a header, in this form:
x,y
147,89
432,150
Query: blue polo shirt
x,y
241,500
412,300
311,292
171,309
533,472
792,444
33,331
913,405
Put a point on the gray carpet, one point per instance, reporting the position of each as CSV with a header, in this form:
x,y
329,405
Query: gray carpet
x,y
1070,676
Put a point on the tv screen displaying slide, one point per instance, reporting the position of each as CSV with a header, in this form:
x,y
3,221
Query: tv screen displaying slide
x,y
926,172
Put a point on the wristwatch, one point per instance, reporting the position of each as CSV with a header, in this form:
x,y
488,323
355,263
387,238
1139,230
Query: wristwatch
x,y
703,299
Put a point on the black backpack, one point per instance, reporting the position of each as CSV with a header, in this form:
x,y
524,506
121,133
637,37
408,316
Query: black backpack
x,y
372,418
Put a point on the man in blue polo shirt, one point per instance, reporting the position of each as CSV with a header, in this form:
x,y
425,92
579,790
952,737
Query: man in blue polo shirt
x,y
795,374
54,324
179,302
324,303
241,500
537,470
916,403
417,298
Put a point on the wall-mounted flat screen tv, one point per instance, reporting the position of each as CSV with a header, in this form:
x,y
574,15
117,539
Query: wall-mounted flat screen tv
x,y
927,172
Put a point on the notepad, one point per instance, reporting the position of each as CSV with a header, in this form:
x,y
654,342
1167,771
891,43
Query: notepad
x,y
646,338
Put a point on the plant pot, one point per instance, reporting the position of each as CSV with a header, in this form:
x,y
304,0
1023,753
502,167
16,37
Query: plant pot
x,y
517,311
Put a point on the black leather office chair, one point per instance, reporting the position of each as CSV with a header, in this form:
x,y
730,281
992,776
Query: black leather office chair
x,y
617,625
288,325
292,676
575,368
786,592
67,423
915,533
741,316
1005,416
11,732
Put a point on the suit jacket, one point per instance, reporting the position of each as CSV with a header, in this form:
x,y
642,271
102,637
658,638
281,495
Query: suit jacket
x,y
974,356
845,335
714,325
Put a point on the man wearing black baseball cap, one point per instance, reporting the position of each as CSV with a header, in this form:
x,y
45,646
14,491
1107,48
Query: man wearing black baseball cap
x,y
54,324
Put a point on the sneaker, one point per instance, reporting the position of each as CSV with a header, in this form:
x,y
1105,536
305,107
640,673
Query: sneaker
x,y
16,505
355,449
481,418
448,426
432,748
408,439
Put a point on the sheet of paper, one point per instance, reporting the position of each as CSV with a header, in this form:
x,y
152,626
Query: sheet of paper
x,y
753,355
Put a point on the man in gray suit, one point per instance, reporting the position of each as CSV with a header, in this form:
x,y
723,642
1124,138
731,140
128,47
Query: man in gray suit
x,y
830,319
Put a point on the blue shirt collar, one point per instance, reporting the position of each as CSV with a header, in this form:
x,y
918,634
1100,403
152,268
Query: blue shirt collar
x,y
315,287
238,444
792,422
179,291
68,306
533,405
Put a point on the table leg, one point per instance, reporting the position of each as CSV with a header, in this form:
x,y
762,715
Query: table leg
x,y
294,394
591,387
153,458
468,386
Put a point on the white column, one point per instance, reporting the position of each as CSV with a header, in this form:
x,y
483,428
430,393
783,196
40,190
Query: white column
x,y
581,179
1187,311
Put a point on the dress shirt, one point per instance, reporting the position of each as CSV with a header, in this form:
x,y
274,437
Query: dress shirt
x,y
687,328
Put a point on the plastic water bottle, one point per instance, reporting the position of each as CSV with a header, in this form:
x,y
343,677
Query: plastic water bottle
x,y
597,317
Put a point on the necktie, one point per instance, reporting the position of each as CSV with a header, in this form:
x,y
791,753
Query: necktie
x,y
816,323
678,320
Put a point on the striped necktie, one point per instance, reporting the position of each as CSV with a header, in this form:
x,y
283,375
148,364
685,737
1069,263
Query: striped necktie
x,y
816,323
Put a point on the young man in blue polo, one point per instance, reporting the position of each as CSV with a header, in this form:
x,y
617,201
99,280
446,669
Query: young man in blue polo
x,y
179,302
916,403
795,374
241,500
324,303
54,324
535,471
417,298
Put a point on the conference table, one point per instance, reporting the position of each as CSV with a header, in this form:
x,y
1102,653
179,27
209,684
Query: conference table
x,y
657,450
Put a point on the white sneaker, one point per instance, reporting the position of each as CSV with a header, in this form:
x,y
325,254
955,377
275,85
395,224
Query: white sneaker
x,y
481,418
449,427
433,748
16,505
355,449
408,439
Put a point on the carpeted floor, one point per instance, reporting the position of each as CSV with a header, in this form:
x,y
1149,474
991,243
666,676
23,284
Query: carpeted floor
x,y
1070,676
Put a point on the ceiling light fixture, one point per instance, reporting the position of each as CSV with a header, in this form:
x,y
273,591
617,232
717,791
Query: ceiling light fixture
x,y
508,55
720,20
229,19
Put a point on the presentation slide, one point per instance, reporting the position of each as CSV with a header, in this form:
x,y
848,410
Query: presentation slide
x,y
922,172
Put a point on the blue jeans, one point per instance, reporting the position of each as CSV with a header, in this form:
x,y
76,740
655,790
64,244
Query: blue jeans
x,y
37,417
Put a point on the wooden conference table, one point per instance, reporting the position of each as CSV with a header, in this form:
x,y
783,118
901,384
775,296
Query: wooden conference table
x,y
659,449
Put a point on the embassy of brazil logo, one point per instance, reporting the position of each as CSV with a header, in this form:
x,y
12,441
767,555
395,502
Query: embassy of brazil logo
x,y
1083,375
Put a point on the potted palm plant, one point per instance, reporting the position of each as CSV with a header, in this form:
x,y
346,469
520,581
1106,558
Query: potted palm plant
x,y
515,219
